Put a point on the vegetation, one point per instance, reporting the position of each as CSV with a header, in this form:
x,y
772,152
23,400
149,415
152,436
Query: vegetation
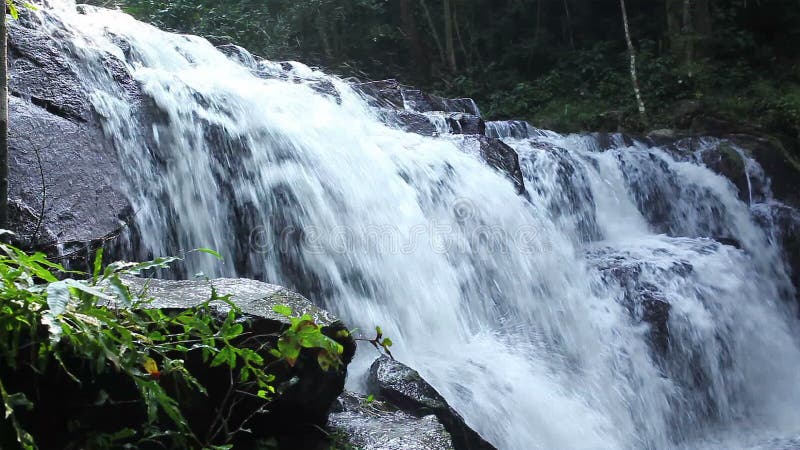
x,y
95,328
562,64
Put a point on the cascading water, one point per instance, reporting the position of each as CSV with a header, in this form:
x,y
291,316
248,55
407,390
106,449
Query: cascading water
x,y
594,312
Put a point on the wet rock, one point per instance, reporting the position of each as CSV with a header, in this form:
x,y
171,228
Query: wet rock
x,y
379,425
514,129
643,300
783,223
42,74
68,180
462,123
726,161
404,388
662,136
238,54
326,88
462,105
498,155
573,202
390,93
384,93
64,183
782,169
609,141
410,121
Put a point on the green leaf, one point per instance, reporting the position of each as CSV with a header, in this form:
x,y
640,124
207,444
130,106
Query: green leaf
x,y
211,252
12,9
283,310
289,348
98,264
122,291
83,287
234,331
225,356
387,342
58,296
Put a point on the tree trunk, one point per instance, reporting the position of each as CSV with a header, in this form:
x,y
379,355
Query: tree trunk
x,y
449,42
409,27
687,30
4,122
568,27
324,37
457,27
632,52
675,26
434,33
702,26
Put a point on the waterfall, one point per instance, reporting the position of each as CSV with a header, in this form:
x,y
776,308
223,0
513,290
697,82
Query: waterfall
x,y
628,301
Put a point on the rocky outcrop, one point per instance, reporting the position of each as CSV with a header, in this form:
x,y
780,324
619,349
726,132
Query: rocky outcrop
x,y
404,388
378,425
64,176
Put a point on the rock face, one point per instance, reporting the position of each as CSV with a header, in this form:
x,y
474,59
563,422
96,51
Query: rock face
x,y
64,175
403,387
377,425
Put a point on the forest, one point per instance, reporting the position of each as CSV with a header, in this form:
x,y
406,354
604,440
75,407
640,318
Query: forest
x,y
561,64
323,245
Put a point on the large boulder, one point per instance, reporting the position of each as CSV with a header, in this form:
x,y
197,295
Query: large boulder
x,y
404,388
64,176
377,425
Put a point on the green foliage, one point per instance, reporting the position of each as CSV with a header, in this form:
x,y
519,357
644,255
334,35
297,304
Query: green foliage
x,y
46,317
14,11
304,333
560,65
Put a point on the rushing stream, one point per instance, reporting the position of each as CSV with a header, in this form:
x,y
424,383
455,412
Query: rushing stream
x,y
595,311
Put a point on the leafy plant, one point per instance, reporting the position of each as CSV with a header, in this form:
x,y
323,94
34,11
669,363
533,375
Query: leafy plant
x,y
99,323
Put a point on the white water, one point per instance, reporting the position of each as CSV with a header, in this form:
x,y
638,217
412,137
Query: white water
x,y
496,299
